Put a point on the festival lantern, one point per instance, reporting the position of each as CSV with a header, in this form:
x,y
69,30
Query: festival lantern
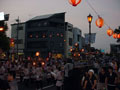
x,y
79,54
82,50
115,35
10,77
43,63
74,2
37,54
71,50
99,22
74,54
31,36
29,58
110,32
58,34
64,40
118,36
34,63
47,59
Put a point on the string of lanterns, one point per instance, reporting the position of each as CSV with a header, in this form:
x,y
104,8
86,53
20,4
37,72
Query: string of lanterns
x,y
100,21
74,2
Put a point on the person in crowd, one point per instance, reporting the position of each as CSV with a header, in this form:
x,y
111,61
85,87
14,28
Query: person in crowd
x,y
101,78
111,79
4,85
21,74
12,82
91,81
118,83
26,77
39,78
67,68
49,76
59,79
84,78
96,67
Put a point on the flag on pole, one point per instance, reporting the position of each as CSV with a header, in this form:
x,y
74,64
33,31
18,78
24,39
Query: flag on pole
x,y
93,36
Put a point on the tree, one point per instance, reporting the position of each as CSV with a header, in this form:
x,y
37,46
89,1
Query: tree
x,y
4,40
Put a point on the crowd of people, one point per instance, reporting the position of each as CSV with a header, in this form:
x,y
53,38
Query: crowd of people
x,y
65,74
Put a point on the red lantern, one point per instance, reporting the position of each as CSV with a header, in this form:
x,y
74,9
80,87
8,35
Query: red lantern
x,y
37,53
74,2
110,32
118,36
115,35
43,63
99,22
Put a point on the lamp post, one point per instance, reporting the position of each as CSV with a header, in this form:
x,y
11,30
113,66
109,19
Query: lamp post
x,y
18,22
89,17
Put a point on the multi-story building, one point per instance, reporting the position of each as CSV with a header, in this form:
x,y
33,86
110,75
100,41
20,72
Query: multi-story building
x,y
68,39
21,37
77,37
115,48
45,34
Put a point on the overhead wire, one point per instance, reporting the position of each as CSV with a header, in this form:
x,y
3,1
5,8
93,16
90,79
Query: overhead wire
x,y
96,12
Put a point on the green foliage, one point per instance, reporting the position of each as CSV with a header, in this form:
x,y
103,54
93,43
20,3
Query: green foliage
x,y
4,40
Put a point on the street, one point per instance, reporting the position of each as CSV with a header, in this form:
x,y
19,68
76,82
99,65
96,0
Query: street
x,y
32,87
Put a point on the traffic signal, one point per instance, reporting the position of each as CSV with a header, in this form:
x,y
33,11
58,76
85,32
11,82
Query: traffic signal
x,y
1,26
12,43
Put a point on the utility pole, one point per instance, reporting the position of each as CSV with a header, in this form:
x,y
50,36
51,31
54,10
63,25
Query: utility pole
x,y
18,22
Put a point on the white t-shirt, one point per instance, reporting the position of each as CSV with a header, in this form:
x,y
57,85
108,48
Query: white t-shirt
x,y
59,79
67,68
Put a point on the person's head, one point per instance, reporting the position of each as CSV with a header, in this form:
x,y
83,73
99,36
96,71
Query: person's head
x,y
91,72
110,69
102,70
86,73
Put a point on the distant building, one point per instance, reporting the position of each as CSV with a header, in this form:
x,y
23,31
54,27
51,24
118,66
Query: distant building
x,y
115,48
47,34
21,36
77,36
68,39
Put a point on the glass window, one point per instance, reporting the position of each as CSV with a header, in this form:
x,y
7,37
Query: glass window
x,y
70,41
20,28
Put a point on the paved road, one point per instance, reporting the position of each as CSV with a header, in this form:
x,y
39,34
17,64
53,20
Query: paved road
x,y
32,87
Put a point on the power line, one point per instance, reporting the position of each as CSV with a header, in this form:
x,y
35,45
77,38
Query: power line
x,y
96,12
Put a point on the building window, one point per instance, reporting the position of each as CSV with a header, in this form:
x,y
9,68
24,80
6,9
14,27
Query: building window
x,y
20,28
52,44
61,44
70,29
20,41
70,41
78,37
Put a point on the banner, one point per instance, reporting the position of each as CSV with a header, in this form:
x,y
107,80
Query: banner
x,y
87,37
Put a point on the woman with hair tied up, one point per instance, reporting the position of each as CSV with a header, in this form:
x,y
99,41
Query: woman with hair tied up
x,y
101,78
90,82
111,79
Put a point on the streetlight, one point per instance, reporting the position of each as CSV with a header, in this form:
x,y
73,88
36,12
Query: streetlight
x,y
89,17
18,22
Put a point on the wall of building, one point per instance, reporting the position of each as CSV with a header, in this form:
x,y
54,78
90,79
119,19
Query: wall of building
x,y
77,36
21,36
68,38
